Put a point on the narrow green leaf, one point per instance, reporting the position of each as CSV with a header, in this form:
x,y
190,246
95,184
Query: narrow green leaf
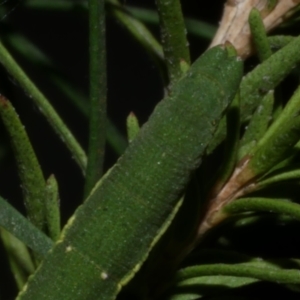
x,y
261,80
210,285
18,256
45,107
186,295
259,35
133,127
173,37
98,94
109,237
56,4
140,33
195,27
279,41
52,208
198,287
184,66
258,125
267,75
213,256
281,176
114,137
283,134
28,50
137,29
246,270
289,161
200,28
145,15
21,228
30,173
264,204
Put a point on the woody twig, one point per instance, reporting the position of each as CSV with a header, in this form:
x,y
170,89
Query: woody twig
x,y
234,26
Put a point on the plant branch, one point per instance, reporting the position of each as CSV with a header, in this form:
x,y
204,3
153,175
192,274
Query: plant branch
x,y
98,86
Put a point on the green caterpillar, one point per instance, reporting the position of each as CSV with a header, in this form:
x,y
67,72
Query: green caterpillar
x,y
111,234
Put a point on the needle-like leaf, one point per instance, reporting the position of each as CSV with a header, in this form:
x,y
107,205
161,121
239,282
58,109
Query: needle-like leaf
x,y
30,173
173,37
20,227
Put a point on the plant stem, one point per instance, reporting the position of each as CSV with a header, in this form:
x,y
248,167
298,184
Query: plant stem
x,y
97,113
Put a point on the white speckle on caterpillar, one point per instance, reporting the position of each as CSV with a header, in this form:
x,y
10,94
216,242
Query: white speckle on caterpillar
x,y
104,275
69,249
